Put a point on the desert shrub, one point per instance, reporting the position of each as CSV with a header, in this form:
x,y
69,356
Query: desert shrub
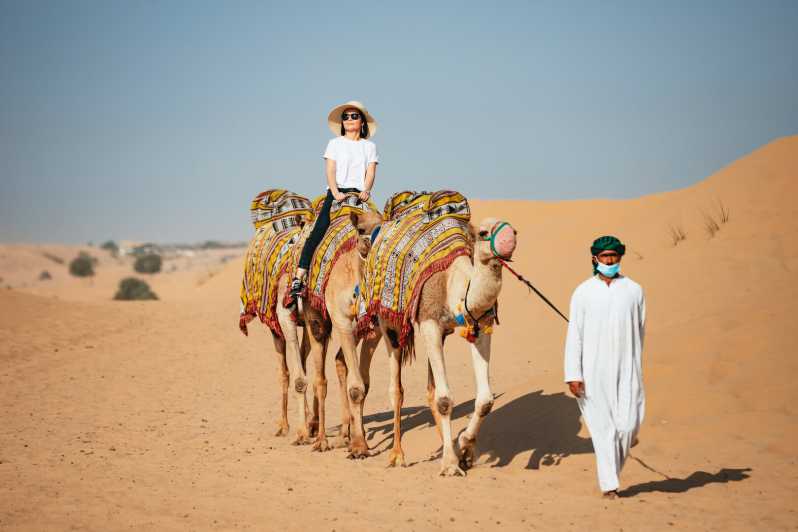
x,y
677,234
148,263
110,246
82,265
714,220
710,225
45,276
132,289
722,211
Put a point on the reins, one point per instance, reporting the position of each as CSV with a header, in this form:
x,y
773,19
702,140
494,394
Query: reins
x,y
521,278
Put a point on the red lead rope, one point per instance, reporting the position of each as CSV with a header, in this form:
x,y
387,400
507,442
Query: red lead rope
x,y
521,278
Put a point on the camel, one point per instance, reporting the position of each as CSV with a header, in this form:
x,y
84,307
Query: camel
x,y
339,301
278,216
474,286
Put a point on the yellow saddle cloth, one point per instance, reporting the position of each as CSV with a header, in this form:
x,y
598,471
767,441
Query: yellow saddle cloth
x,y
425,233
278,216
341,237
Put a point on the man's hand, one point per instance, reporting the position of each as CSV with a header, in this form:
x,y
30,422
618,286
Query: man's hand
x,y
577,388
365,195
338,195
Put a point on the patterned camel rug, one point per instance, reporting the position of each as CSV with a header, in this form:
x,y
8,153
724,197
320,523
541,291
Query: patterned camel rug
x,y
425,234
278,216
341,237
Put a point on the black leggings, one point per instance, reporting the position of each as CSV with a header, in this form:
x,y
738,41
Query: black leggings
x,y
318,231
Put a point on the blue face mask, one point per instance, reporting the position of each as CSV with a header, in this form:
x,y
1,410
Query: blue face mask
x,y
608,270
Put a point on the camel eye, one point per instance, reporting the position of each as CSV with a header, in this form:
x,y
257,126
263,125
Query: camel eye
x,y
483,233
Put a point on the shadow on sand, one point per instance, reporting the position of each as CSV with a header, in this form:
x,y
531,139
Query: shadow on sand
x,y
412,418
680,485
547,425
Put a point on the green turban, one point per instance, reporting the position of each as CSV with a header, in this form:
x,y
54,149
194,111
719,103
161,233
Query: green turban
x,y
606,243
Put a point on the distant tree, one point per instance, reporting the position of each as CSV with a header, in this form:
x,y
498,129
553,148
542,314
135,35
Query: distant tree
x,y
110,246
132,289
148,263
82,265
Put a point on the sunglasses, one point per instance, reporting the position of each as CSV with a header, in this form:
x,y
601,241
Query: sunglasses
x,y
350,116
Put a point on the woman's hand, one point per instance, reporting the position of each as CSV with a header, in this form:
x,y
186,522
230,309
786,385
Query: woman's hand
x,y
338,195
365,195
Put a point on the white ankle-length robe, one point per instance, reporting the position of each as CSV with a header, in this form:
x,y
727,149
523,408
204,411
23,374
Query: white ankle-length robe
x,y
603,350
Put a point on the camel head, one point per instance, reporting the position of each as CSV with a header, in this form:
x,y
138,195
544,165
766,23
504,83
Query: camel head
x,y
365,224
494,239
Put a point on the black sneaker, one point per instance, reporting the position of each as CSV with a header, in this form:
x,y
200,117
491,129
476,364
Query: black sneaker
x,y
297,287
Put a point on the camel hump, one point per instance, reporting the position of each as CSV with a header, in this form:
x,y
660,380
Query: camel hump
x,y
281,208
431,205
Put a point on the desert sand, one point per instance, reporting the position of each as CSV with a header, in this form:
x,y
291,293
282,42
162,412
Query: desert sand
x,y
160,415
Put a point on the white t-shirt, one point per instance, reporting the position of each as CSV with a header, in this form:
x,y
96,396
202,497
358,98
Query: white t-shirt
x,y
351,159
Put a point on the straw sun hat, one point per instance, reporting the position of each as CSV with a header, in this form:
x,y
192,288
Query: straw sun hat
x,y
334,118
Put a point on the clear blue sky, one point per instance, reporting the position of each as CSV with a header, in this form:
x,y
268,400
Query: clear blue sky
x,y
161,120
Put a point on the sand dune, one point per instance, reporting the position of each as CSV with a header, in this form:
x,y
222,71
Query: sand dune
x,y
159,415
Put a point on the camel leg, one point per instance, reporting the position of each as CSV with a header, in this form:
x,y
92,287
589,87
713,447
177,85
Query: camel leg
x,y
480,354
433,342
431,401
367,348
396,393
283,378
296,365
355,388
313,421
318,349
346,416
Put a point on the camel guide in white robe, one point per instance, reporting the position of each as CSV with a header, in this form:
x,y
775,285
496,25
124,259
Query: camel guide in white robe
x,y
603,353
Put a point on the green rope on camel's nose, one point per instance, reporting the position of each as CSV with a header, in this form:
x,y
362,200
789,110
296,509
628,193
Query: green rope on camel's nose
x,y
492,238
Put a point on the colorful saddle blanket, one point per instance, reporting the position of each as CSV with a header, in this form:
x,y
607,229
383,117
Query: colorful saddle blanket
x,y
280,208
341,237
425,234
277,216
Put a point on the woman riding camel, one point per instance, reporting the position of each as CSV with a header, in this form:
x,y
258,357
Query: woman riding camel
x,y
351,165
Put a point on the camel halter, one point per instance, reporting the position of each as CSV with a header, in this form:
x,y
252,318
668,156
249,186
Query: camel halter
x,y
497,227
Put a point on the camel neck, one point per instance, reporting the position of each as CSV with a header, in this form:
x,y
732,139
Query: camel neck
x,y
486,283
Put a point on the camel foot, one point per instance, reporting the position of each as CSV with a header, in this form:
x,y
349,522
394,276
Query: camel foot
x,y
321,445
358,451
467,452
341,442
359,455
467,459
358,448
451,470
302,438
282,429
396,459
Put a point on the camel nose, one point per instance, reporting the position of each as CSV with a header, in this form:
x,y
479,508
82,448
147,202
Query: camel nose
x,y
505,241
